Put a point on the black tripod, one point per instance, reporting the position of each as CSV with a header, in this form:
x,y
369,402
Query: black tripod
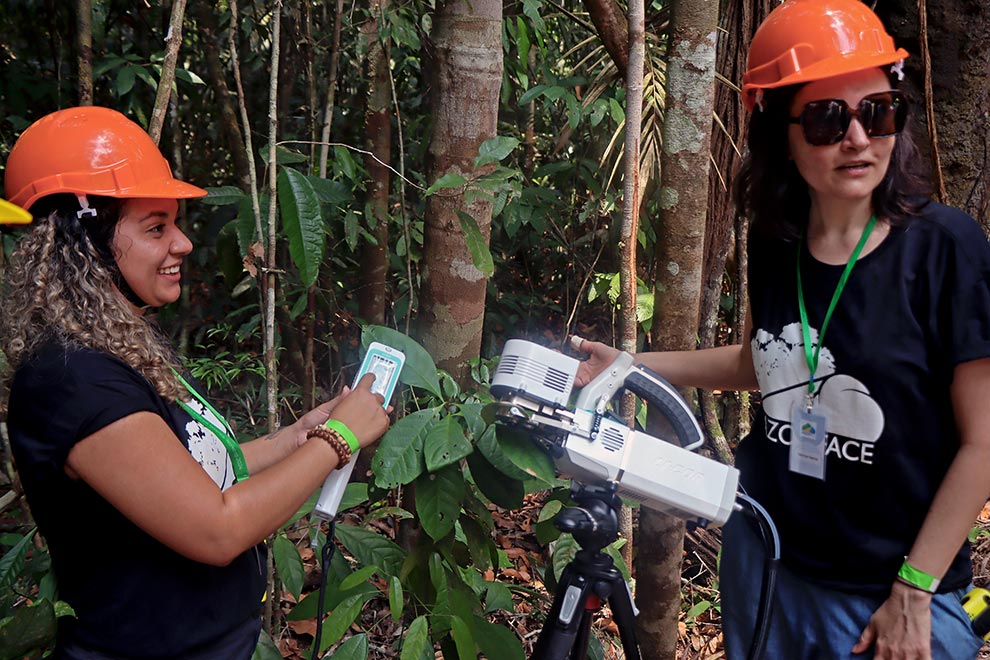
x,y
589,579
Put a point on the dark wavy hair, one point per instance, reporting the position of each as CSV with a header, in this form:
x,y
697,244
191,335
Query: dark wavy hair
x,y
65,286
772,193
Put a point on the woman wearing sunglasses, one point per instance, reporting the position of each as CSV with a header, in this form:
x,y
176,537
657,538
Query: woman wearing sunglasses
x,y
869,339
154,515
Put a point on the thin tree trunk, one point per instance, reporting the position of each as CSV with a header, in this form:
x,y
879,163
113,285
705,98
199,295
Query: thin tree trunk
x,y
679,259
467,74
628,242
378,128
331,89
84,33
172,42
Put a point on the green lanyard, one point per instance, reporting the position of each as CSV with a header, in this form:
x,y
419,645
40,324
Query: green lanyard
x,y
226,435
812,357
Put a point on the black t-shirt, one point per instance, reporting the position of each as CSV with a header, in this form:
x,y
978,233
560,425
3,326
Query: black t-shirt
x,y
133,596
912,310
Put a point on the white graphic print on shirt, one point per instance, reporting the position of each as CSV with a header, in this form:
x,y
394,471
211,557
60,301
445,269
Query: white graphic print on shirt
x,y
207,448
855,420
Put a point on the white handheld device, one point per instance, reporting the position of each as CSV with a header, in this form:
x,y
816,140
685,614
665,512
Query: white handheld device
x,y
386,363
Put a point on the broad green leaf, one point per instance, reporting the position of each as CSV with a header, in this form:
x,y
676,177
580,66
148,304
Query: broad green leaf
x,y
563,552
506,493
478,541
303,223
13,561
266,649
438,500
289,564
497,642
495,149
223,195
371,548
395,598
355,493
532,93
699,608
331,192
526,455
353,648
358,576
125,79
445,444
189,77
416,640
352,230
344,163
489,445
283,155
419,369
340,620
399,457
448,180
27,629
247,233
498,597
477,245
463,639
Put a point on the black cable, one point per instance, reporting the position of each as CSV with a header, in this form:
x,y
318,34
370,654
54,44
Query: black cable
x,y
326,555
764,610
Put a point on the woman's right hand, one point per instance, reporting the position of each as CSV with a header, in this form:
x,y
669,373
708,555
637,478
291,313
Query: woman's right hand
x,y
363,412
600,356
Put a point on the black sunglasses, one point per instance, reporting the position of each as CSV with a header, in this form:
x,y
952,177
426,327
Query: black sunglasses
x,y
826,121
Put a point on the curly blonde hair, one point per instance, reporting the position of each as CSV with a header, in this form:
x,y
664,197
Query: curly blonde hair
x,y
64,289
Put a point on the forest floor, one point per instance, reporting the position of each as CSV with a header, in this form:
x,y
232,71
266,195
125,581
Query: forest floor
x,y
699,626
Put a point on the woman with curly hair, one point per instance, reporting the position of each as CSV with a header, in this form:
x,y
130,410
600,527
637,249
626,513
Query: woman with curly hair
x,y
869,339
135,480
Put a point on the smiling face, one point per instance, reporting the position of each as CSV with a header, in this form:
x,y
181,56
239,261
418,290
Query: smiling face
x,y
851,169
149,248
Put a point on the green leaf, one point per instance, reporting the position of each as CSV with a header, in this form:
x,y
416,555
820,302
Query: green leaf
x,y
438,500
489,445
353,648
395,598
477,245
498,597
419,369
479,542
283,155
526,455
289,564
331,192
399,457
506,493
223,195
531,94
371,548
445,444
266,649
699,608
189,77
497,642
13,561
448,180
495,149
28,629
416,640
125,79
358,576
564,551
352,230
344,163
463,639
341,619
355,493
303,223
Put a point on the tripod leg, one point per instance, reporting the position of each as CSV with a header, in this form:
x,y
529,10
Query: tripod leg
x,y
624,614
566,618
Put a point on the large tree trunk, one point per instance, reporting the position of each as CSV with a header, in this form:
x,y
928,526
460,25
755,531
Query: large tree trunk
x,y
378,128
680,257
84,37
467,74
959,41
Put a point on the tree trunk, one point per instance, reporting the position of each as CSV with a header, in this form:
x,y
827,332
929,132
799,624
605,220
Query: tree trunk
x,y
378,128
612,28
958,36
467,75
679,257
84,36
230,128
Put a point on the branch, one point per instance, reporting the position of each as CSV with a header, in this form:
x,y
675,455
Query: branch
x,y
172,42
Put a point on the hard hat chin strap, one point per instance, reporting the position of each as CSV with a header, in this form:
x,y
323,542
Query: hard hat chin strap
x,y
84,207
898,69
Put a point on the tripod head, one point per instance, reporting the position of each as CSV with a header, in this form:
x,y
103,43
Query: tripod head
x,y
594,524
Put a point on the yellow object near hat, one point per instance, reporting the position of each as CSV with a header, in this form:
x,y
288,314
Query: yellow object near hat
x,y
11,214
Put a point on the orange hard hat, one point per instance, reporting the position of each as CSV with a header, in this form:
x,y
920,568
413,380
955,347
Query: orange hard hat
x,y
89,150
805,40
11,214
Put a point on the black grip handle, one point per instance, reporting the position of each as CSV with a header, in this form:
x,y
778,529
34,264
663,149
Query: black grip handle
x,y
652,387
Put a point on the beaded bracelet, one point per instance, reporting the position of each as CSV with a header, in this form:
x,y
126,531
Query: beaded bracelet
x,y
336,442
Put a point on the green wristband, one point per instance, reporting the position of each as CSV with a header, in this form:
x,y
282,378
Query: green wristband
x,y
918,578
345,433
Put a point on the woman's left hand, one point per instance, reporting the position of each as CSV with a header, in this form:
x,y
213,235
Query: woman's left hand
x,y
315,417
901,629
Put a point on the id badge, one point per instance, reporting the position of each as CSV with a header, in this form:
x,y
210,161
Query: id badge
x,y
808,440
